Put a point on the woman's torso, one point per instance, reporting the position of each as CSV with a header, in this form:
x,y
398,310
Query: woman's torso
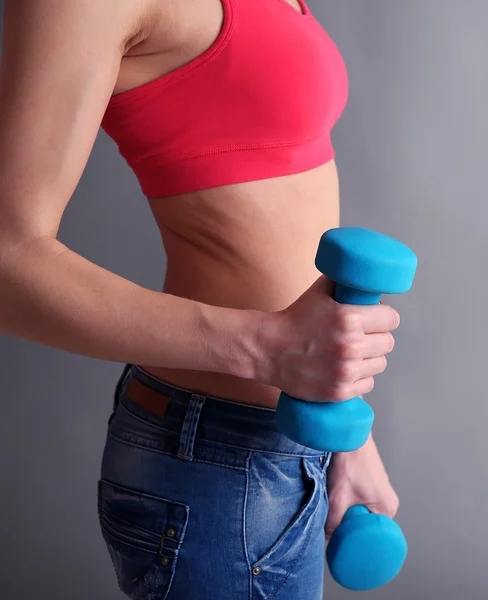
x,y
246,245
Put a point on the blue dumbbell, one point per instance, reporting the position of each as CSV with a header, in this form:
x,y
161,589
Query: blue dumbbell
x,y
366,550
364,264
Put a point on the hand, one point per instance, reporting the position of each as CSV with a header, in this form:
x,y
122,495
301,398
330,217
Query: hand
x,y
358,477
319,350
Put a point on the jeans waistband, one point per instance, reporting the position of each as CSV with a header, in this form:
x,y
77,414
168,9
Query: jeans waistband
x,y
192,415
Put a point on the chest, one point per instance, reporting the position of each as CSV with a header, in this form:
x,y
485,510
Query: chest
x,y
175,34
249,90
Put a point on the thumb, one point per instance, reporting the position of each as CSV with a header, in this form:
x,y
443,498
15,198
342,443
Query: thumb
x,y
323,285
329,286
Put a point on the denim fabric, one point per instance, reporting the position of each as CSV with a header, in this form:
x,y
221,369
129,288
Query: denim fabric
x,y
210,502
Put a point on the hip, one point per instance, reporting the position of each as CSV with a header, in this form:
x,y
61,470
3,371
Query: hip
x,y
219,385
204,498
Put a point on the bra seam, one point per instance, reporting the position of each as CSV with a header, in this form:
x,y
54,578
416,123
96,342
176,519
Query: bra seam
x,y
229,148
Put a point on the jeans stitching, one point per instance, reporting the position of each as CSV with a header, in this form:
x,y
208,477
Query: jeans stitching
x,y
139,435
183,446
277,452
143,437
265,451
173,455
215,464
197,409
290,569
244,530
274,592
189,431
133,491
109,516
304,548
120,540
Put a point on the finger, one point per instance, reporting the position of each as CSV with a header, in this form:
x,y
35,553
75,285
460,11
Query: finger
x,y
346,391
363,386
379,318
371,366
377,344
350,371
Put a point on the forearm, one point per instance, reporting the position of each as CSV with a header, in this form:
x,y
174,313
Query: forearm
x,y
53,296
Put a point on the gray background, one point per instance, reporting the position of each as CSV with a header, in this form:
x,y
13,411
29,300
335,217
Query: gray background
x,y
412,161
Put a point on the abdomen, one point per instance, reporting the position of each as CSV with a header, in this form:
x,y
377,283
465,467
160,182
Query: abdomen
x,y
249,245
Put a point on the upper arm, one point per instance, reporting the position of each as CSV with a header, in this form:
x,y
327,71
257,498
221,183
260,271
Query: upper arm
x,y
60,62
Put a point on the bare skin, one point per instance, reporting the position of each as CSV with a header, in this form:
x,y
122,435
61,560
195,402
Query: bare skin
x,y
237,293
213,236
235,260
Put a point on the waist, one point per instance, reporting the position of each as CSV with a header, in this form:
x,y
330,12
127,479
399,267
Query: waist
x,y
218,285
220,420
246,246
250,245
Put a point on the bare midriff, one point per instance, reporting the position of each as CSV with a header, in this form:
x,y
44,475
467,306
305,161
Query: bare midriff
x,y
247,245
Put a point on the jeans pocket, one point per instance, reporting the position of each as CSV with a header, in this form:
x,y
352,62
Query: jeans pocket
x,y
144,535
290,553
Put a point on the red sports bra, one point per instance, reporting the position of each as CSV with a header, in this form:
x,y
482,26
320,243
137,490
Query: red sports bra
x,y
259,103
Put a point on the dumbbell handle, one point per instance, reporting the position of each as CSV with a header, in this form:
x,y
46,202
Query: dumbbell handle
x,y
364,264
354,408
347,295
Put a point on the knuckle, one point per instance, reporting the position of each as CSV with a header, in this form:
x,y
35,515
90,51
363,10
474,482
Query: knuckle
x,y
344,371
355,350
337,393
348,349
348,320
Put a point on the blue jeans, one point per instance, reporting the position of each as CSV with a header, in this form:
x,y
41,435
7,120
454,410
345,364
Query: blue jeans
x,y
210,501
